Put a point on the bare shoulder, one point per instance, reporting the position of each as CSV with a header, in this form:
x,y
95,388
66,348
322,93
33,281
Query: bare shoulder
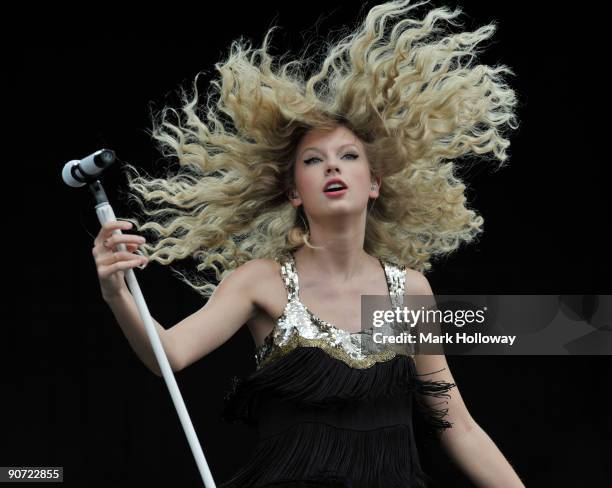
x,y
234,302
417,283
257,274
258,268
254,267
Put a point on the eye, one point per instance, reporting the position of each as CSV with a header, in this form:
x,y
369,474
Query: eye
x,y
353,156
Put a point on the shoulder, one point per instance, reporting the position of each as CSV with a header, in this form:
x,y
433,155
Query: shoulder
x,y
256,269
255,279
416,283
258,276
262,282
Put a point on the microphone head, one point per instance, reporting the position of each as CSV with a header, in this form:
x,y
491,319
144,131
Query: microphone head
x,y
78,173
70,175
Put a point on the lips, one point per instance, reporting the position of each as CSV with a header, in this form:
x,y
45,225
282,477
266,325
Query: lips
x,y
335,180
335,193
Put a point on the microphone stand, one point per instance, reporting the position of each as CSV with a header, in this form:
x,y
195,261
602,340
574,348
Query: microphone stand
x,y
105,213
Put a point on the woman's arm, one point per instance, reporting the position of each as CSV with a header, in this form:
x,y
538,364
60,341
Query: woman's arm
x,y
126,313
479,458
232,304
466,443
229,307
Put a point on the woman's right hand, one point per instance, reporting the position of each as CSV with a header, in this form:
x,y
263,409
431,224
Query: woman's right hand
x,y
111,262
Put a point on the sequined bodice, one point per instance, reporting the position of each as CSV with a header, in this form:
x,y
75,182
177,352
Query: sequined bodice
x,y
298,326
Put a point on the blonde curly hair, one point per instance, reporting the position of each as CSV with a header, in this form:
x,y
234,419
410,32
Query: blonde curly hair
x,y
406,87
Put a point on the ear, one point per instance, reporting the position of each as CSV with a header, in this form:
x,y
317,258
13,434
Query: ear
x,y
294,198
375,187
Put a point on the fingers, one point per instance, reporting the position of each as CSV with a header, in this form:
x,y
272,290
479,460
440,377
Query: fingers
x,y
113,257
115,239
112,262
108,237
104,271
99,251
109,227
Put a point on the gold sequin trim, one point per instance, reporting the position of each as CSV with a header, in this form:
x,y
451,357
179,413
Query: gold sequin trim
x,y
298,326
296,340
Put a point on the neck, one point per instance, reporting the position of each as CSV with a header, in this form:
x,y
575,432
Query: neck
x,y
341,258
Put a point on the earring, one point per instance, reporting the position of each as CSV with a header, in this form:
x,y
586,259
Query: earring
x,y
305,224
294,195
374,186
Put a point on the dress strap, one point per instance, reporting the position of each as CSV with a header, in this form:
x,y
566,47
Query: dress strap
x,y
396,279
395,275
289,276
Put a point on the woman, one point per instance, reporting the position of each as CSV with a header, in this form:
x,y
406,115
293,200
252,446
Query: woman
x,y
383,118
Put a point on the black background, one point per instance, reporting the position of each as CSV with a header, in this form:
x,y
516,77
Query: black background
x,y
74,393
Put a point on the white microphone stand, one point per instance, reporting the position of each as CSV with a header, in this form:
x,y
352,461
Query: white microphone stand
x,y
105,213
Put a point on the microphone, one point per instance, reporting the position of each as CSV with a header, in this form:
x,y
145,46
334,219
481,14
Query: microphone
x,y
77,173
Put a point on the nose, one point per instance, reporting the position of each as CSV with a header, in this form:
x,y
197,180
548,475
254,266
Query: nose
x,y
331,166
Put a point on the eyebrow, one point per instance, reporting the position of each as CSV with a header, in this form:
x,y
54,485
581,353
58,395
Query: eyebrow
x,y
317,149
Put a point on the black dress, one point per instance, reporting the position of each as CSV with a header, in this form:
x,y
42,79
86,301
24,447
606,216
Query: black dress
x,y
329,411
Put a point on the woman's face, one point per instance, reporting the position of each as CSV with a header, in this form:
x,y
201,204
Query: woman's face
x,y
323,155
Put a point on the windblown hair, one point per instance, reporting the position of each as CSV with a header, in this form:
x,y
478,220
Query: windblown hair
x,y
406,87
